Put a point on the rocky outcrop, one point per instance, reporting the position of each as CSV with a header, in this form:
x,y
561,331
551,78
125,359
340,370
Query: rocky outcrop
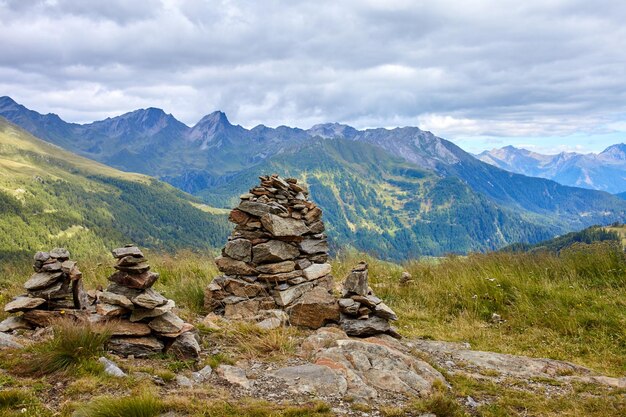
x,y
362,313
142,320
362,369
55,287
276,258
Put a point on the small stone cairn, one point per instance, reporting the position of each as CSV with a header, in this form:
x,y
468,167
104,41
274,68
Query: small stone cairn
x,y
274,264
143,322
53,289
362,313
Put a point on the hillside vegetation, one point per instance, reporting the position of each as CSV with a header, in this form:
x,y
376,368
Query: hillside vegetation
x,y
50,197
614,233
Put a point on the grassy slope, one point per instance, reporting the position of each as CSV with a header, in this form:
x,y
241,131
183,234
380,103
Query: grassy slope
x,y
568,306
51,197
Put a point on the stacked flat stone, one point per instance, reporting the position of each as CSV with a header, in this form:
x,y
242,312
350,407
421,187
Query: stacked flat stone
x,y
362,313
275,259
143,321
53,289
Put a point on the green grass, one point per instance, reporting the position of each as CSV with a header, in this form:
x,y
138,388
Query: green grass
x,y
73,345
567,306
145,405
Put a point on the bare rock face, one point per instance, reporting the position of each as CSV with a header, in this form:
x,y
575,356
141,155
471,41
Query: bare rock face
x,y
361,369
276,255
362,313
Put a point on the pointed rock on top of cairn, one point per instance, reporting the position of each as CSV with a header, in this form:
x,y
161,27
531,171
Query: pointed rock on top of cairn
x,y
53,289
362,313
275,258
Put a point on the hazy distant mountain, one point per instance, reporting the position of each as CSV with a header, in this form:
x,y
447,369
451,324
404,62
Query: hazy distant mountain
x,y
605,171
397,193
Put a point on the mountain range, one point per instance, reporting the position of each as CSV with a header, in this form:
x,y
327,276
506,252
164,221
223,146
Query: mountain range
x,y
604,171
50,197
397,193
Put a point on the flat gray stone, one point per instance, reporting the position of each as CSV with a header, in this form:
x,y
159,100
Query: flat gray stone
x,y
316,271
14,323
9,342
23,304
240,249
127,251
363,328
167,323
234,375
115,299
149,299
283,226
312,379
273,251
41,280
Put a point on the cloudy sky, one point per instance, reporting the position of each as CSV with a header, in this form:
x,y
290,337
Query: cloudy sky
x,y
548,74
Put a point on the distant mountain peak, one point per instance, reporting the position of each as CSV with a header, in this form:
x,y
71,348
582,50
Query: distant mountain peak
x,y
216,118
332,130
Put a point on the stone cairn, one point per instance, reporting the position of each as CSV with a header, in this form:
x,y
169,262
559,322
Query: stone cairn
x,y
274,264
362,313
142,320
54,288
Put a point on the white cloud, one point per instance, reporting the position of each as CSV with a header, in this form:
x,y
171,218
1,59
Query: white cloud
x,y
464,69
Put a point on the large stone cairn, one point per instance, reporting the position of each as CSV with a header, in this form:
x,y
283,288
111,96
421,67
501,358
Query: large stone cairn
x,y
143,322
362,313
53,289
275,260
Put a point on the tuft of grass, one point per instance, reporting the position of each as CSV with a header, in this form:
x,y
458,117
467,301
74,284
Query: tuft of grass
x,y
259,408
439,404
73,344
14,398
248,341
144,405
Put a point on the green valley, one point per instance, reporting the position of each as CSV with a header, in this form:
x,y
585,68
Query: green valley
x,y
50,197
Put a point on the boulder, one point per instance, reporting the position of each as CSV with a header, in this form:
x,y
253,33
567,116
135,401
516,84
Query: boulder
x,y
232,266
316,271
312,246
283,226
291,294
239,249
167,323
314,309
234,375
185,347
362,328
273,251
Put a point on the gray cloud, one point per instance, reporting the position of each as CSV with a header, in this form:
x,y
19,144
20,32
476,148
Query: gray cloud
x,y
459,68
